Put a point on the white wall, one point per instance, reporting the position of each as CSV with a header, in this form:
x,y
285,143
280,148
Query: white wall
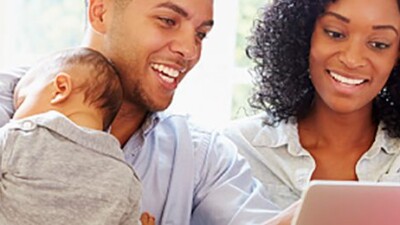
x,y
205,94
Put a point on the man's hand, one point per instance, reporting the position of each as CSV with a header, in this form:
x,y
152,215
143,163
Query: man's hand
x,y
147,219
285,217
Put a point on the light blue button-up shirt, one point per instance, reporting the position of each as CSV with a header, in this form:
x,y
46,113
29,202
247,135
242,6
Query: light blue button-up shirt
x,y
189,175
283,166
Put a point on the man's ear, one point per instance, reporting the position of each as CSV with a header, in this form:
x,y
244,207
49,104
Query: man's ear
x,y
62,88
96,14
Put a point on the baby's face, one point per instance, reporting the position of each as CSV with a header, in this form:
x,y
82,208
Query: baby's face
x,y
32,97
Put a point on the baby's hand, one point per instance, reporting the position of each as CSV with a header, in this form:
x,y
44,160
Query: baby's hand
x,y
147,219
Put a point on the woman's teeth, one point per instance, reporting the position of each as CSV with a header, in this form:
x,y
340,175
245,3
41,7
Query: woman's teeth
x,y
346,80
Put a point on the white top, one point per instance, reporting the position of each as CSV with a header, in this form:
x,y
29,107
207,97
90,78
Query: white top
x,y
280,162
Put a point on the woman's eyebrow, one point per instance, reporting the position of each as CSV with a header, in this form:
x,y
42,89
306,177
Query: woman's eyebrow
x,y
386,27
336,15
347,20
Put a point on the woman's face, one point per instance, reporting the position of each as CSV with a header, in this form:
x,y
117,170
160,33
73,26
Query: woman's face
x,y
354,47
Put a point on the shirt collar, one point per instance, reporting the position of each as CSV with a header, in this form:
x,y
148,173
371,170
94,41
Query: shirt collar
x,y
286,133
383,142
275,136
89,138
153,119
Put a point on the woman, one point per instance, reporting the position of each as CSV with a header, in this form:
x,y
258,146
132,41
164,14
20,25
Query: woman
x,y
327,78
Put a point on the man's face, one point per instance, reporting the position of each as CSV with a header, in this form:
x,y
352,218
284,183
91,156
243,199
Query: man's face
x,y
154,43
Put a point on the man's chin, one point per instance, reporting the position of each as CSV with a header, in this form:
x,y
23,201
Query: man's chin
x,y
147,104
159,106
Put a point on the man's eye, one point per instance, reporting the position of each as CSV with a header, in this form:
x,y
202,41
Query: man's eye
x,y
167,21
379,45
201,35
334,34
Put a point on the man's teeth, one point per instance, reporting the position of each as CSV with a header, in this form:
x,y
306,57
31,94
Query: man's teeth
x,y
167,79
166,70
346,80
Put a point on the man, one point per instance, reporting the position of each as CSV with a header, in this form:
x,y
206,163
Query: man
x,y
189,176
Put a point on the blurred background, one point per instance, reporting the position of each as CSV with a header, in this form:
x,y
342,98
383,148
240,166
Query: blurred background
x,y
215,92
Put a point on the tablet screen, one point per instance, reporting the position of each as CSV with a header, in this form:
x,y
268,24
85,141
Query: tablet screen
x,y
349,203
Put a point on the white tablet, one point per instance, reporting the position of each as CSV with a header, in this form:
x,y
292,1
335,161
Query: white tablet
x,y
349,203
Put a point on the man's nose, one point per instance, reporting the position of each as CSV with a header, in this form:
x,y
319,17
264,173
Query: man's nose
x,y
185,44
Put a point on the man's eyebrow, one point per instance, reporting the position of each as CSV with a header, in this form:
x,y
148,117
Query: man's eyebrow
x,y
176,8
338,16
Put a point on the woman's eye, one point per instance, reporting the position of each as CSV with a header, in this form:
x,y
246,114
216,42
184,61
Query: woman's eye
x,y
379,45
167,21
334,34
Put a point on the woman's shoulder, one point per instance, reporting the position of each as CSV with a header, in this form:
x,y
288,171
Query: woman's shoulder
x,y
255,126
248,124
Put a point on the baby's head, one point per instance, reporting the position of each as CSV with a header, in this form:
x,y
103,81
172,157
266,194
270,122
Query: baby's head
x,y
75,82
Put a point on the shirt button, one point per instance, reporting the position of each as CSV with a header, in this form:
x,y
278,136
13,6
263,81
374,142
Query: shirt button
x,y
28,125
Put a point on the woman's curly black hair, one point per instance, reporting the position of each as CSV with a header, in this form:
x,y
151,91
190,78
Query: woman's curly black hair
x,y
280,47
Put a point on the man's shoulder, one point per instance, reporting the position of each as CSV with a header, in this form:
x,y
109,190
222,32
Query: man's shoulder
x,y
185,123
185,127
8,80
13,74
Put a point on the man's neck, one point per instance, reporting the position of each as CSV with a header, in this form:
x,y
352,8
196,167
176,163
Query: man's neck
x,y
128,120
130,117
92,40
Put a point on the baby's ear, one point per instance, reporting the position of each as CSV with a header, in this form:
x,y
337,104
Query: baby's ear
x,y
62,86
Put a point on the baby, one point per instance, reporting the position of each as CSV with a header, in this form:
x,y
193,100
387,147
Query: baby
x,y
58,166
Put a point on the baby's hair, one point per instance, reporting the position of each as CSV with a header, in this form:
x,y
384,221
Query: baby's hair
x,y
101,83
